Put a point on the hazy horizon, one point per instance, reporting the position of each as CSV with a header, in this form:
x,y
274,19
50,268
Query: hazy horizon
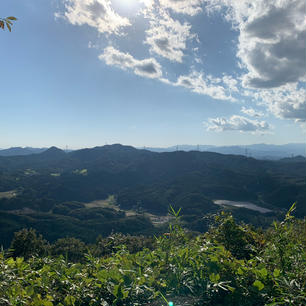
x,y
157,147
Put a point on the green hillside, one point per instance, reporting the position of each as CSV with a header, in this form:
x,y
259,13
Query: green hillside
x,y
51,191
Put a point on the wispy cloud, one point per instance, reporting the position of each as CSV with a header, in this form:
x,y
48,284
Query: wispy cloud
x,y
208,85
167,37
237,123
189,7
149,67
286,102
251,112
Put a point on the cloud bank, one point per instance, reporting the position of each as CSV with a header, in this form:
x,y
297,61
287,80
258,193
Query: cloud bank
x,y
272,50
271,44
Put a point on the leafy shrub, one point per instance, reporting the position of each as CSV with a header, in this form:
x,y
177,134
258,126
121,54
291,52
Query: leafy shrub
x,y
27,243
112,243
204,270
241,240
71,248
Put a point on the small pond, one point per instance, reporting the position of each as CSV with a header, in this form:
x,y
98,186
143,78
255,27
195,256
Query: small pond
x,y
247,205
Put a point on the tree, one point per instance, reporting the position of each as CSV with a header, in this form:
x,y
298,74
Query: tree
x,y
27,243
72,248
8,22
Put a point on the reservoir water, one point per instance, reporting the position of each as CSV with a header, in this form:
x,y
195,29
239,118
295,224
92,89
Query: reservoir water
x,y
247,205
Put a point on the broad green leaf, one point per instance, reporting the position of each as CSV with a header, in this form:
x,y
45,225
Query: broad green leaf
x,y
19,260
214,277
11,262
259,285
276,272
69,300
263,272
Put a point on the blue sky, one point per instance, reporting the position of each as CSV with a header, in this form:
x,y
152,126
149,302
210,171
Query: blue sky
x,y
84,73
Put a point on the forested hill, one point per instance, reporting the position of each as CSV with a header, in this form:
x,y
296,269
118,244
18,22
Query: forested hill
x,y
112,157
91,174
144,181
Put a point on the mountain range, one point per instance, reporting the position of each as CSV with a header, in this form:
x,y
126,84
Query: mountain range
x,y
258,151
13,151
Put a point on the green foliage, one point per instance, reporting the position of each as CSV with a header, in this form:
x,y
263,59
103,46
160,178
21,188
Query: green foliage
x,y
27,243
111,244
71,248
241,240
199,271
82,223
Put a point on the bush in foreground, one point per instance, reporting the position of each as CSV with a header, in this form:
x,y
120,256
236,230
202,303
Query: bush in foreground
x,y
205,270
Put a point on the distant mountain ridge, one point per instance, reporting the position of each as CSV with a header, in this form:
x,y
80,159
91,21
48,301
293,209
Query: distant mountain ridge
x,y
15,151
258,151
22,151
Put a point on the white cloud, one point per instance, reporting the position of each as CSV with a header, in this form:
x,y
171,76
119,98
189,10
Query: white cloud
x,y
208,85
272,39
237,123
251,112
286,102
98,14
272,50
188,7
149,67
230,82
167,37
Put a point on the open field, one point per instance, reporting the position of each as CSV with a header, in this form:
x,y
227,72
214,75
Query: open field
x,y
110,202
8,194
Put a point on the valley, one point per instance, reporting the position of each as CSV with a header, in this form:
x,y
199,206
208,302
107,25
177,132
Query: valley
x,y
92,192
